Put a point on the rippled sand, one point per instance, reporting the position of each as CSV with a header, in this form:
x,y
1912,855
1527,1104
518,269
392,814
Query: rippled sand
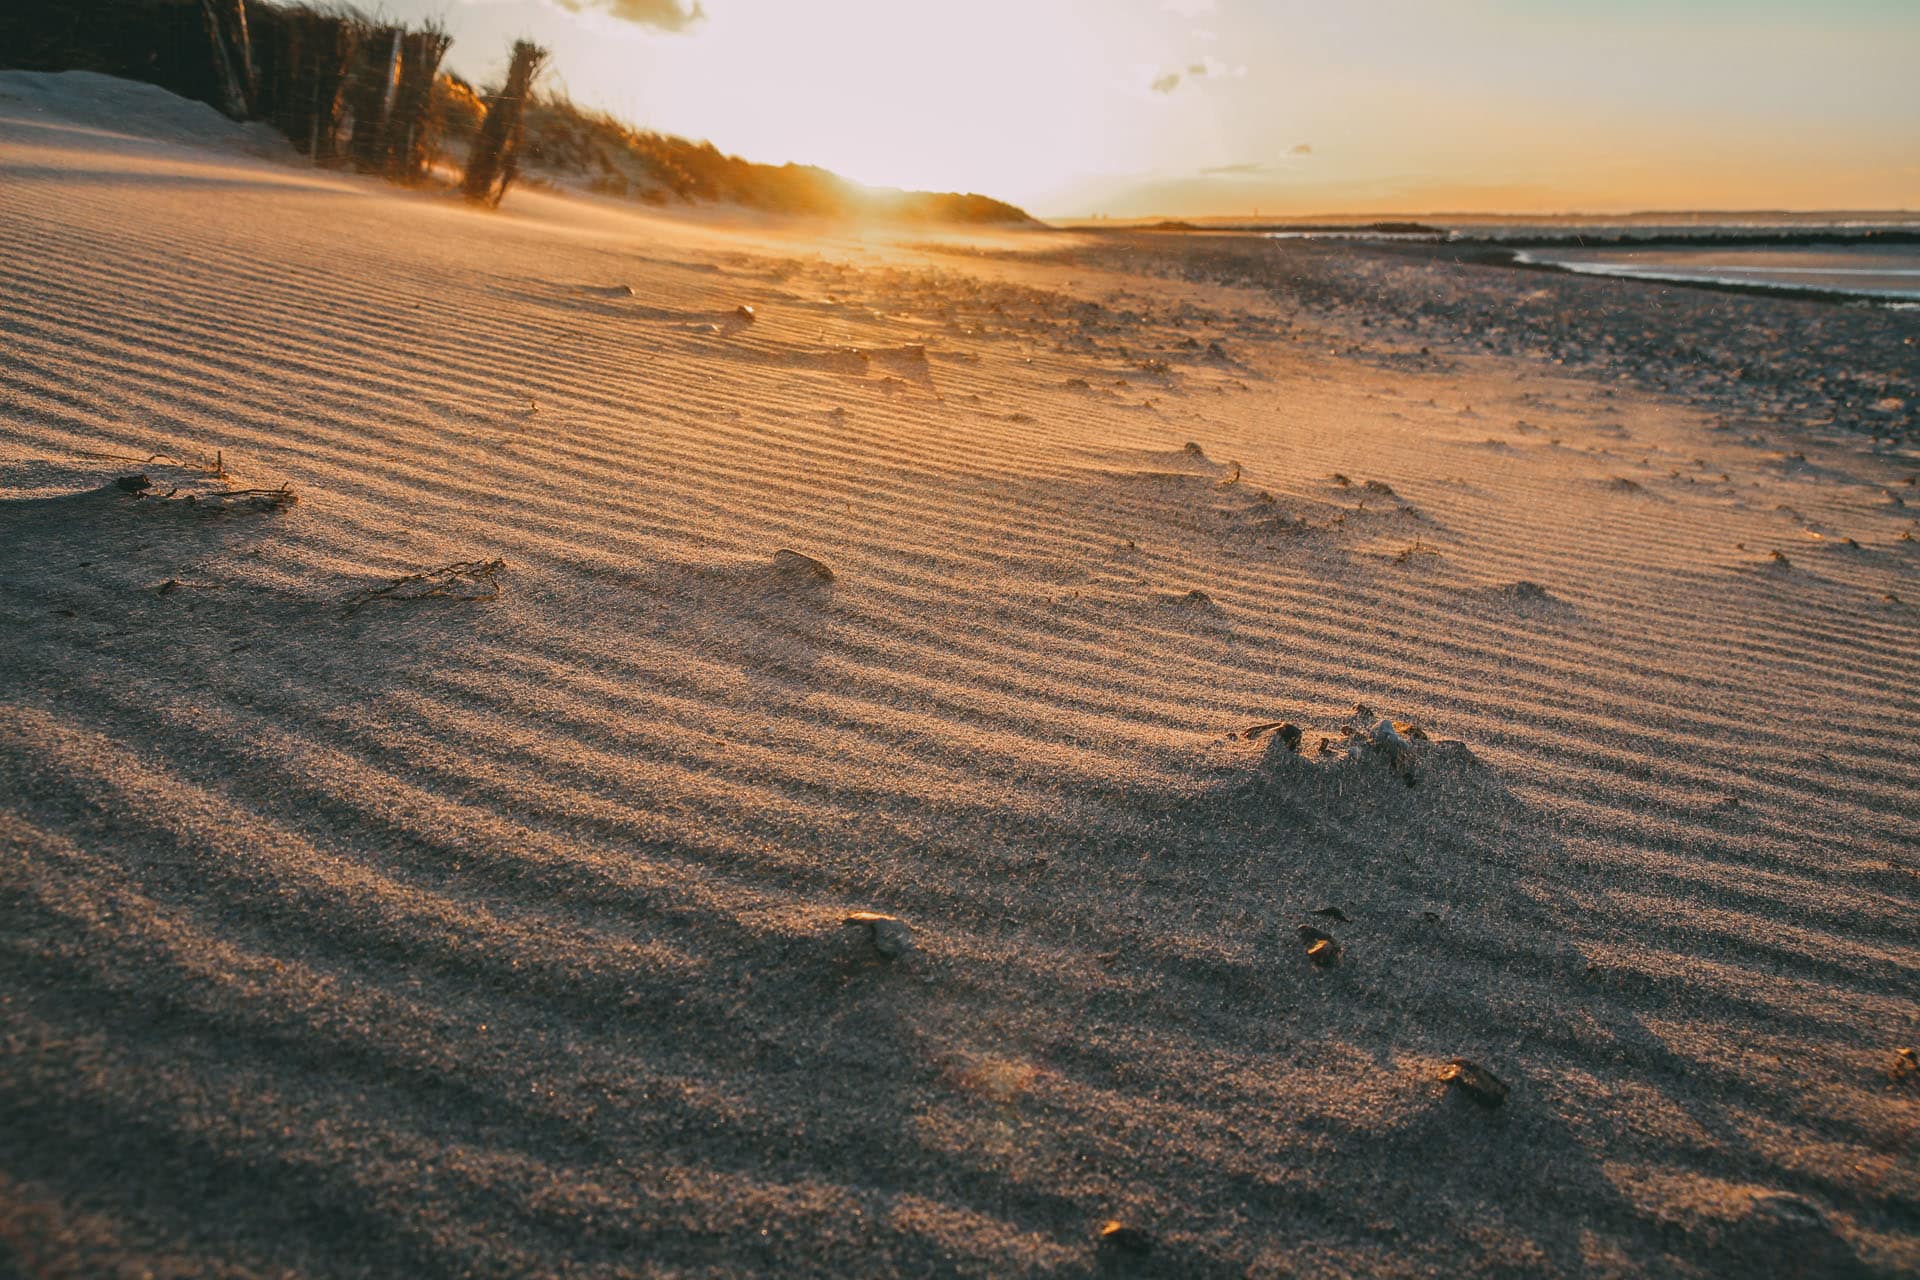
x,y
362,920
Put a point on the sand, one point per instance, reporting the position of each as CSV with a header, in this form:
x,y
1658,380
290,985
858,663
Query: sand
x,y
494,926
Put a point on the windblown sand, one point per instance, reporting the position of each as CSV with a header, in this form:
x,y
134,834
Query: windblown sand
x,y
498,932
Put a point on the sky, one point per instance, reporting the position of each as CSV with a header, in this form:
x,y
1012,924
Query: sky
x,y
1186,108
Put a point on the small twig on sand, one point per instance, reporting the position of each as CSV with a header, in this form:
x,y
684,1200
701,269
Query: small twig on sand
x,y
214,467
273,498
259,499
463,580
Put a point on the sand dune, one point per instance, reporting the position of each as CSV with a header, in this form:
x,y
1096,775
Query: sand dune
x,y
499,930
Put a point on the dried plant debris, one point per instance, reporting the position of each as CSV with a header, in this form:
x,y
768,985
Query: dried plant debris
x,y
888,936
462,580
1284,732
1474,1080
141,485
1398,745
214,467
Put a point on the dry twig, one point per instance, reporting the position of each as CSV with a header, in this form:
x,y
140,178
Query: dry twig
x,y
462,580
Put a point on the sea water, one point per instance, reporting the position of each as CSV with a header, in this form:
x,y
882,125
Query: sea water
x,y
1884,272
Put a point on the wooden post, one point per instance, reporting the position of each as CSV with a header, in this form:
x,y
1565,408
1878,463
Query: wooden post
x,y
410,136
370,97
226,23
493,164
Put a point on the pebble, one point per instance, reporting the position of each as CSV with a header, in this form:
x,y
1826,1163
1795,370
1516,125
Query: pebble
x,y
1118,1238
889,935
1905,1067
1475,1081
1321,947
795,565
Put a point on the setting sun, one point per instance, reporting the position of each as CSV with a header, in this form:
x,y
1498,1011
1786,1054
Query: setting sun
x,y
1194,107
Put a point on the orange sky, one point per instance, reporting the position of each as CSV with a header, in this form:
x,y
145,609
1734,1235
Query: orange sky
x,y
1191,107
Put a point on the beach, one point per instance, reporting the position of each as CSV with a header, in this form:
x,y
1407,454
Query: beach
x,y
1374,762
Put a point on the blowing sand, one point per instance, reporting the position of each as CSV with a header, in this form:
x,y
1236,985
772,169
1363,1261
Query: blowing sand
x,y
362,919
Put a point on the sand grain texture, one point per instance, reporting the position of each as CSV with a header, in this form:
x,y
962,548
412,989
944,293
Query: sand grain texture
x,y
504,934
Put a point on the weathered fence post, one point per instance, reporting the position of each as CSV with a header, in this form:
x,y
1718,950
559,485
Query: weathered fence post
x,y
226,23
410,127
494,163
370,96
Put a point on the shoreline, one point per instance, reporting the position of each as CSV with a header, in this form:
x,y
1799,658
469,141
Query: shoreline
x,y
1517,257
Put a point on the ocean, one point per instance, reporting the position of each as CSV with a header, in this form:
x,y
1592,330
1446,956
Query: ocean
x,y
1884,272
1876,260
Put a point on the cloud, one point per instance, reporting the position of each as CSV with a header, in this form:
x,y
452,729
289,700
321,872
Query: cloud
x,y
663,15
1207,68
1300,149
1232,170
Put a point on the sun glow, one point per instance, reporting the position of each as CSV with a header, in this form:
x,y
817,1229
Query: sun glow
x,y
1225,106
884,93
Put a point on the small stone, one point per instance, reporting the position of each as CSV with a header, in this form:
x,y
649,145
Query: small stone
x,y
1117,1238
743,313
1905,1067
1386,741
889,935
1788,1210
1475,1081
795,565
1193,449
1321,947
134,483
1332,913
